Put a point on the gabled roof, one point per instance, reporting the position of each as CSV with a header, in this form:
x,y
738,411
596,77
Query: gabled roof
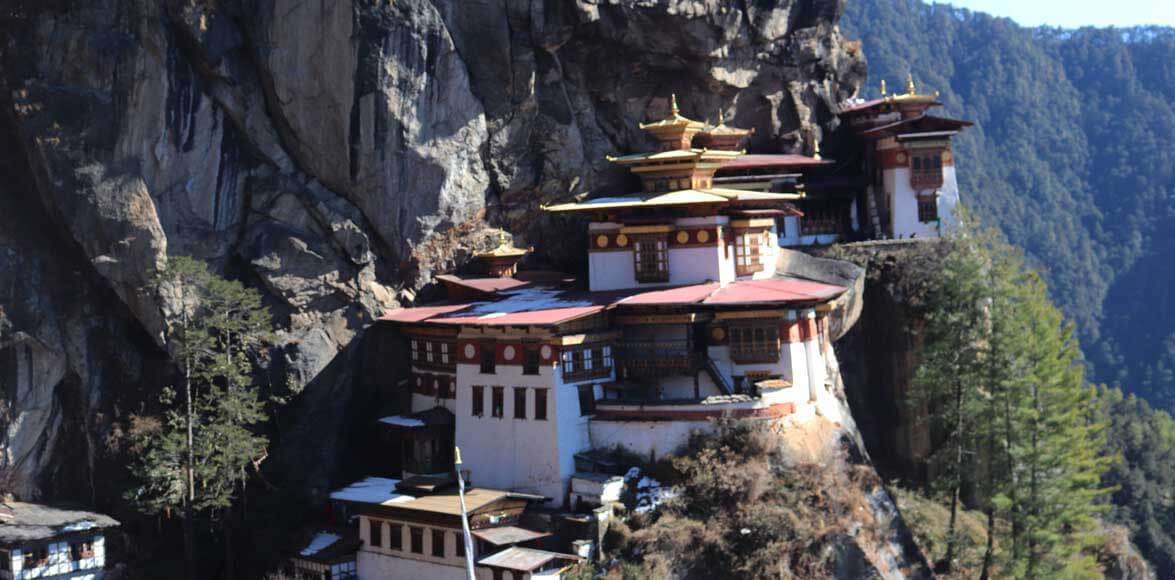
x,y
527,306
919,124
25,522
782,160
681,197
505,535
524,559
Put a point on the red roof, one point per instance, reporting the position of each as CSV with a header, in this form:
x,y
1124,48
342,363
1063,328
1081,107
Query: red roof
x,y
538,306
772,160
861,106
487,285
680,295
420,313
773,290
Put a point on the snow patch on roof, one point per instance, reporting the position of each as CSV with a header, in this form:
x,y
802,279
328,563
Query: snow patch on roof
x,y
402,421
321,541
79,526
375,490
522,300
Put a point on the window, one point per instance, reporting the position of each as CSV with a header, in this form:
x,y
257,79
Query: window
x,y
821,218
540,404
81,550
375,533
586,362
479,401
651,258
459,539
396,536
417,539
488,359
497,404
519,402
746,253
927,208
415,350
428,351
926,170
754,343
438,543
444,352
530,359
587,400
37,558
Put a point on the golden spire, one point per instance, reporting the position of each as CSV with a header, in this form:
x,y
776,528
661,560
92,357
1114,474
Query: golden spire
x,y
721,120
816,148
673,104
910,90
883,87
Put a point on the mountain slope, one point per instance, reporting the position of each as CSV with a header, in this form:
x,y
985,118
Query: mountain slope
x,y
1071,158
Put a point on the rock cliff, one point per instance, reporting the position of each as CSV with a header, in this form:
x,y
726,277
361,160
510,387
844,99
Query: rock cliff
x,y
332,154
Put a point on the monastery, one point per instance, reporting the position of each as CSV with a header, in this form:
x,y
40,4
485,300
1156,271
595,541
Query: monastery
x,y
685,318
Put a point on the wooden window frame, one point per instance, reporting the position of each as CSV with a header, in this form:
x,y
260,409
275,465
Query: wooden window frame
x,y
497,402
477,401
926,169
540,404
438,534
747,256
459,541
375,533
927,208
752,343
650,265
531,361
520,410
587,400
396,536
578,364
489,359
416,540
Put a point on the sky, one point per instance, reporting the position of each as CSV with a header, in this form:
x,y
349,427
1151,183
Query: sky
x,y
1076,13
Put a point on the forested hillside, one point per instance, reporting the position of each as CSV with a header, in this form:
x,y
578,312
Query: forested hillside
x,y
1071,158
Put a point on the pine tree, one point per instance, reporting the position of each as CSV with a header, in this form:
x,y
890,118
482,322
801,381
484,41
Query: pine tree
x,y
198,457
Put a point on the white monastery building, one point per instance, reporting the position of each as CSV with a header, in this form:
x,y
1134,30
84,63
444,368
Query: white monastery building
x,y
40,541
684,320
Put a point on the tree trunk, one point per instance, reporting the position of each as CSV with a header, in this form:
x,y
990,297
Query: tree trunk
x,y
229,571
190,476
952,541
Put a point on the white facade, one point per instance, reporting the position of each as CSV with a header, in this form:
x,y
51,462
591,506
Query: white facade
x,y
791,235
527,455
60,562
905,204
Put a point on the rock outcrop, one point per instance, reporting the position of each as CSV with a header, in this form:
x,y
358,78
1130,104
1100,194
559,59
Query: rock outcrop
x,y
334,155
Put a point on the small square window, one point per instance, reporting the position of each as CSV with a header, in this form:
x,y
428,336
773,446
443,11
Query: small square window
x,y
927,208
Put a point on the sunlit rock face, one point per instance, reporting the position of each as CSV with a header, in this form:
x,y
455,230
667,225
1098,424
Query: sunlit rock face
x,y
334,155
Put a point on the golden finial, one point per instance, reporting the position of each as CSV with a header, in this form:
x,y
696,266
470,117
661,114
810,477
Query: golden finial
x,y
502,240
883,87
673,104
721,119
456,455
910,84
816,149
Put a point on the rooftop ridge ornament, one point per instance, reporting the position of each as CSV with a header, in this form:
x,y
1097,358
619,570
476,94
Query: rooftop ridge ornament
x,y
883,87
910,90
673,104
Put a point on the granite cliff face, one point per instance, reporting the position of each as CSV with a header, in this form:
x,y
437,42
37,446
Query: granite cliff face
x,y
334,155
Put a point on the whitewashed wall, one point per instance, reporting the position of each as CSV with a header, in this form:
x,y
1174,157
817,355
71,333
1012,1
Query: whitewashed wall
x,y
60,565
905,206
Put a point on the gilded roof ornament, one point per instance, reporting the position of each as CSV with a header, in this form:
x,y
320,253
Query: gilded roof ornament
x,y
883,87
910,90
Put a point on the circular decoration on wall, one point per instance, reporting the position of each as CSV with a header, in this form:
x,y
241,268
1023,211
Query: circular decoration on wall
x,y
901,158
470,351
682,237
703,236
622,240
546,351
508,353
601,241
718,333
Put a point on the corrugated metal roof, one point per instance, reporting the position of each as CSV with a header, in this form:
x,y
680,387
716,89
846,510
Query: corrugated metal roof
x,y
523,559
505,535
421,313
680,295
773,290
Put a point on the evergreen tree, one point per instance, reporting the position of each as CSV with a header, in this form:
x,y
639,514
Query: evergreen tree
x,y
198,458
